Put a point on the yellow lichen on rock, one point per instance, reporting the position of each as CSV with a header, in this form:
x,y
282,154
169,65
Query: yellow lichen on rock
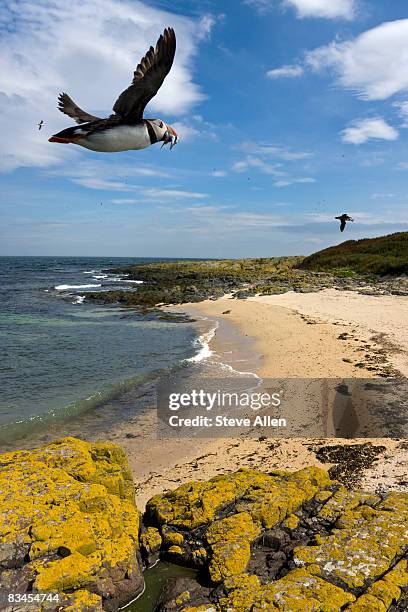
x,y
176,550
151,540
292,522
381,594
268,498
69,518
300,590
243,591
345,500
230,545
251,535
81,601
172,538
364,543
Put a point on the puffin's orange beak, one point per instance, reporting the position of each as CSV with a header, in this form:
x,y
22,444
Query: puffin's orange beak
x,y
64,140
173,137
58,139
172,131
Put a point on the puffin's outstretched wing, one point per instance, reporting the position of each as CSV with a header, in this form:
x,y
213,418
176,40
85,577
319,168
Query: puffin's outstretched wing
x,y
67,105
342,225
147,80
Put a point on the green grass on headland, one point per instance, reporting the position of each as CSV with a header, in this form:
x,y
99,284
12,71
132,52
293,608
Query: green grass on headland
x,y
380,256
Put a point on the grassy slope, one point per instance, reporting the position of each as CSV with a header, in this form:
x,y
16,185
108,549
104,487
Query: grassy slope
x,y
383,255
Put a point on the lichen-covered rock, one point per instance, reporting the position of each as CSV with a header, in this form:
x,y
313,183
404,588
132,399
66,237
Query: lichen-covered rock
x,y
212,524
298,591
230,545
292,542
382,593
268,498
150,544
364,543
69,524
344,500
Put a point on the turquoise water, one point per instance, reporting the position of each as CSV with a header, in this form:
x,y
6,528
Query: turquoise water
x,y
61,356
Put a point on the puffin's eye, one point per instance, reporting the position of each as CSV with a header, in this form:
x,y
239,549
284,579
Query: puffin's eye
x,y
161,124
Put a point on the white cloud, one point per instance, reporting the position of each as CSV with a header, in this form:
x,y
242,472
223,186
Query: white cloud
x,y
382,196
403,112
288,71
373,64
287,183
88,48
270,150
219,173
103,174
175,194
185,132
326,9
102,184
307,179
282,183
367,129
260,157
194,127
125,201
262,6
259,164
219,218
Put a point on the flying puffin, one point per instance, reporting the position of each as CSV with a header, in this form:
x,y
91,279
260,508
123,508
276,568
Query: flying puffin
x,y
343,220
126,129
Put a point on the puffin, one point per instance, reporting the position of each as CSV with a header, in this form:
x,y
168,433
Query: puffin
x,y
343,220
126,129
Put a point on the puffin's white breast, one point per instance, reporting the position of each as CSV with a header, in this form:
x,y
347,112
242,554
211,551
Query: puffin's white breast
x,y
120,138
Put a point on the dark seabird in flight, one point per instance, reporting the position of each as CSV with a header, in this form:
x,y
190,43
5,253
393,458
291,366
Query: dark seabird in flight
x,y
343,220
40,124
126,129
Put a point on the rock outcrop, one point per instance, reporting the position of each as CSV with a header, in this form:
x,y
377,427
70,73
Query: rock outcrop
x,y
68,526
260,542
283,541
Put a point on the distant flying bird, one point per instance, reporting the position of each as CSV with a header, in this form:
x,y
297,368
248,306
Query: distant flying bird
x,y
40,124
343,220
126,129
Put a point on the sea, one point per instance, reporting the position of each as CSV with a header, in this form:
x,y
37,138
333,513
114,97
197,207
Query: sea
x,y
68,366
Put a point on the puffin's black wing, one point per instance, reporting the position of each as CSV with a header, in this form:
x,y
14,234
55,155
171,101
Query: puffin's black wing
x,y
148,78
67,105
342,225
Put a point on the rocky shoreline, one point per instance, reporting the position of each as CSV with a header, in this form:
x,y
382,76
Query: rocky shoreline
x,y
278,540
191,281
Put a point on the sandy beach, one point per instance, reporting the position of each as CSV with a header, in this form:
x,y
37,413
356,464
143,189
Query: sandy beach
x,y
326,334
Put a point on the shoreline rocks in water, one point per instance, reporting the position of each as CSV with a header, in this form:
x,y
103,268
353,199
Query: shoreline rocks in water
x,y
69,525
282,540
180,282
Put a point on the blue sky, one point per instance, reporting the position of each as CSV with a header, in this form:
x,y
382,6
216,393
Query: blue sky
x,y
289,112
